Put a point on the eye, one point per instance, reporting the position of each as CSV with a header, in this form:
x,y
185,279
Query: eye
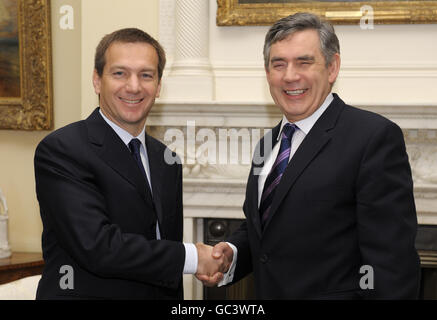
x,y
118,74
278,65
306,62
147,75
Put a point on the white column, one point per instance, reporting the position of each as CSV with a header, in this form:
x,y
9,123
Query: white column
x,y
190,76
167,16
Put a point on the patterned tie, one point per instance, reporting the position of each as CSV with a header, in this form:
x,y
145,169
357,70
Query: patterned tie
x,y
134,146
276,172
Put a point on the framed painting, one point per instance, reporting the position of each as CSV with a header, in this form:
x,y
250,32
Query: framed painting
x,y
25,65
266,12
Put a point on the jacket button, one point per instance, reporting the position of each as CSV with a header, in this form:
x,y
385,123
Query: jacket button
x,y
264,258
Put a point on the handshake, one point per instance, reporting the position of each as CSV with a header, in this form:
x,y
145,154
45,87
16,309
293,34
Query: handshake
x,y
213,262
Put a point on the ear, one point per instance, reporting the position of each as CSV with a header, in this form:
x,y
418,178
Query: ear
x,y
334,68
96,82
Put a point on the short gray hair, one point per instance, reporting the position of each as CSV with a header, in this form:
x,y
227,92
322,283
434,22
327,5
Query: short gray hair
x,y
329,44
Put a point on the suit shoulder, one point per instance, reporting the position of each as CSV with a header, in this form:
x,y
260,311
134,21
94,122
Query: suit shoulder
x,y
363,118
71,134
170,157
156,143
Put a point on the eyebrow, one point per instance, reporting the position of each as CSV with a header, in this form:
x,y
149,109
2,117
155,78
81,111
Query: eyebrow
x,y
301,58
306,58
127,68
276,59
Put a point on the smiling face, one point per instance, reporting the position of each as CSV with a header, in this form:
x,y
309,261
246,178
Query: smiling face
x,y
297,74
129,84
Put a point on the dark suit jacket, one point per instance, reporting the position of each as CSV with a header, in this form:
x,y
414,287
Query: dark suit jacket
x,y
344,201
99,218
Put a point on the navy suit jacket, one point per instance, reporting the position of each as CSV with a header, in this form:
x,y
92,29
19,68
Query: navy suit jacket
x,y
99,217
345,201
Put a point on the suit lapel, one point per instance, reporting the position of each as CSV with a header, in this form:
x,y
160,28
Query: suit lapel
x,y
310,147
157,167
252,200
262,153
111,149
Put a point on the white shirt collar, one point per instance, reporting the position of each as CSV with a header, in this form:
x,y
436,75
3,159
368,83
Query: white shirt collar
x,y
125,136
306,124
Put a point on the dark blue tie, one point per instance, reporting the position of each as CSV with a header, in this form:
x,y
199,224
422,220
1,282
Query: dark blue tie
x,y
134,146
276,172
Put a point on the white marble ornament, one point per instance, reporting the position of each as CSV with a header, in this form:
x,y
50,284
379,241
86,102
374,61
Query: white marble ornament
x,y
5,250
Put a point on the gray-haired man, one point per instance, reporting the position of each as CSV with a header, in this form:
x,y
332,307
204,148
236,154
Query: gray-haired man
x,y
331,214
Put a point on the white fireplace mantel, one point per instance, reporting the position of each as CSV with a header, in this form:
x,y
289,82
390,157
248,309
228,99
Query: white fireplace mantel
x,y
217,190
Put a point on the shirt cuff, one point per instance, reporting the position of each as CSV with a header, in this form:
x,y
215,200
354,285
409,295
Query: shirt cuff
x,y
229,276
191,259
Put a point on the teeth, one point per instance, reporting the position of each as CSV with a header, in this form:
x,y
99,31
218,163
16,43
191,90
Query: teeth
x,y
131,101
295,92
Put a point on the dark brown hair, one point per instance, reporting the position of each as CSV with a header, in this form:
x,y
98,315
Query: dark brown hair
x,y
128,35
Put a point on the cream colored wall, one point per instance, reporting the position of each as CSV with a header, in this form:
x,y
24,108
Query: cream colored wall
x,y
17,183
17,148
389,65
100,18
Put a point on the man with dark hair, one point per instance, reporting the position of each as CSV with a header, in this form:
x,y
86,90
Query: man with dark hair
x,y
330,212
111,205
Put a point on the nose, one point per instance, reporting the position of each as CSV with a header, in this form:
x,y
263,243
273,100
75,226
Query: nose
x,y
291,74
133,84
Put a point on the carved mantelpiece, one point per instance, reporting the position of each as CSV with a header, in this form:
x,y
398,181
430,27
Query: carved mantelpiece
x,y
217,190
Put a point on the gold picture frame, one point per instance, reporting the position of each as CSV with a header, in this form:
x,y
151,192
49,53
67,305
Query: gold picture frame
x,y
235,13
33,108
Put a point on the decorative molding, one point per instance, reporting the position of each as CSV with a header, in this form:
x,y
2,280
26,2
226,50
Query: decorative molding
x,y
422,151
216,171
224,198
423,162
234,13
191,55
218,198
210,114
425,196
241,80
385,69
218,190
264,114
190,76
192,29
420,136
428,259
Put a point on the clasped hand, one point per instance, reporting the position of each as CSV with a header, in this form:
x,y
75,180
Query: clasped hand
x,y
213,262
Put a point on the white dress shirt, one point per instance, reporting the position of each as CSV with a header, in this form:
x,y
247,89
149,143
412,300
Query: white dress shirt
x,y
303,127
191,259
